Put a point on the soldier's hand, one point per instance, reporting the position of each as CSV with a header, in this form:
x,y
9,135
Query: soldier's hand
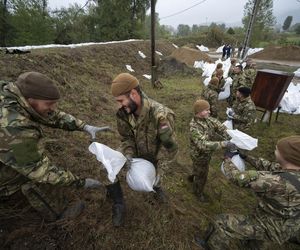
x,y
242,155
231,114
92,130
128,161
229,145
230,154
91,183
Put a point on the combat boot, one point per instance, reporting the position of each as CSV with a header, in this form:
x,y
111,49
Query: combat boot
x,y
203,241
73,211
114,192
160,195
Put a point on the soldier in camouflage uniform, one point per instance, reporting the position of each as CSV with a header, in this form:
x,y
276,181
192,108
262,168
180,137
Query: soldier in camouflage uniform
x,y
219,66
249,73
243,112
277,186
203,131
24,167
219,75
237,81
231,69
143,124
210,94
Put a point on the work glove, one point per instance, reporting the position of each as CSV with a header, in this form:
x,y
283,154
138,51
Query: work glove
x,y
242,155
128,161
231,114
93,130
91,183
230,154
229,145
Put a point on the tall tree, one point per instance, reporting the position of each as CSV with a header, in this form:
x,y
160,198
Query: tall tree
x,y
264,20
183,30
287,23
3,22
31,24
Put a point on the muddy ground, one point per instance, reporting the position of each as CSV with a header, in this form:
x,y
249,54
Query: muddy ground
x,y
83,76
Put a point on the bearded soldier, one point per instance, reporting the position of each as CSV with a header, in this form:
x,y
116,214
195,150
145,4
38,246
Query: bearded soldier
x,y
144,126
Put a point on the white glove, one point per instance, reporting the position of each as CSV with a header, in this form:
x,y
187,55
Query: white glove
x,y
93,130
91,183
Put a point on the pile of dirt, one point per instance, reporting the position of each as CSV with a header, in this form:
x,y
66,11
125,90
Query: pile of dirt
x,y
171,66
189,56
280,53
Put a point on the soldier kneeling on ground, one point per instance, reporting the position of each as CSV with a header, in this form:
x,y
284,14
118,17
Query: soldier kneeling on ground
x,y
277,216
24,167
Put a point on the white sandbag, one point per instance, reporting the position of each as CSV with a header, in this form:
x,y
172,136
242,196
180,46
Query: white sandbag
x,y
242,140
112,160
237,161
226,93
141,175
228,124
206,81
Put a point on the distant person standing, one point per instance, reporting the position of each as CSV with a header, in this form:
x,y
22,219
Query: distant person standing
x,y
228,51
224,50
210,94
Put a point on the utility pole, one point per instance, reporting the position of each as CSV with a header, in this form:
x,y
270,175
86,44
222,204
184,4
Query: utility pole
x,y
249,29
153,66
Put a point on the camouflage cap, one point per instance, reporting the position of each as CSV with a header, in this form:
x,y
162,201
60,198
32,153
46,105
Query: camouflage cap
x,y
37,86
289,148
200,105
123,83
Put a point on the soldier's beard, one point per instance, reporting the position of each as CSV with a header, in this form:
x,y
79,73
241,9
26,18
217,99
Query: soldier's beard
x,y
131,107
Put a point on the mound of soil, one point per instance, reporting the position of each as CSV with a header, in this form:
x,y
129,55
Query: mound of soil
x,y
284,53
189,56
170,66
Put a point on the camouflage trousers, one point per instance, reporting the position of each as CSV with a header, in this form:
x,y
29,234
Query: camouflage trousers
x,y
48,200
233,231
200,172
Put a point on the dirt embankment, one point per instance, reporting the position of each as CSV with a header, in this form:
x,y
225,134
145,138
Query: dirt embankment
x,y
284,53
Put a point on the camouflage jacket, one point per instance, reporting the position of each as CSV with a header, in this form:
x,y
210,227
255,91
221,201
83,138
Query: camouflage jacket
x,y
249,75
231,71
203,134
22,156
277,195
222,82
245,114
210,94
144,136
238,81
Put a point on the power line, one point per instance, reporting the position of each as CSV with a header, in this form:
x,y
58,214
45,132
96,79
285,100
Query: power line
x,y
181,11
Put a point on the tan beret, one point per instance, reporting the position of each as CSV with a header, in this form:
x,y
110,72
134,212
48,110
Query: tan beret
x,y
200,105
219,65
37,86
289,148
123,83
214,81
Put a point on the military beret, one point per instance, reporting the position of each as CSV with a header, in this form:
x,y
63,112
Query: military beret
x,y
123,83
214,81
37,86
245,91
289,148
219,65
200,105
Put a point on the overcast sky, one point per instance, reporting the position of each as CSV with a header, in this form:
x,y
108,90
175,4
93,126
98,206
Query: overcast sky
x,y
207,11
